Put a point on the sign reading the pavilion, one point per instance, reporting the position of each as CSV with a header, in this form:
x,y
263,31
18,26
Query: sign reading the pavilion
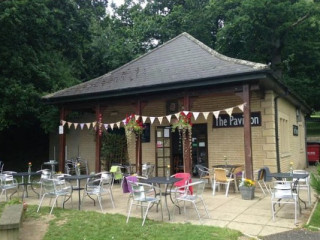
x,y
236,120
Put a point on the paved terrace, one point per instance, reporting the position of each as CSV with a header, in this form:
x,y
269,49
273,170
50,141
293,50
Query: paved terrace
x,y
252,217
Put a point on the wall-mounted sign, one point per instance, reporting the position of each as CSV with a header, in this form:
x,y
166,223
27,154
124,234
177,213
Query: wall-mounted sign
x,y
295,130
236,120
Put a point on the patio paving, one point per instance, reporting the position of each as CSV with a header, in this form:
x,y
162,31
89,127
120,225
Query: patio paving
x,y
251,217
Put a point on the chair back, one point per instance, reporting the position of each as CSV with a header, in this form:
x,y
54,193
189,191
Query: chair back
x,y
138,191
106,179
303,181
147,170
198,188
185,179
116,171
49,186
283,189
220,175
45,174
238,171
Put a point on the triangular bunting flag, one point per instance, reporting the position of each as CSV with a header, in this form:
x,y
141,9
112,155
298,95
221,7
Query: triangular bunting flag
x,y
63,122
75,125
177,115
195,115
106,126
216,114
241,106
69,124
111,125
186,112
169,117
136,117
152,119
81,125
160,119
144,118
88,125
229,111
205,114
118,124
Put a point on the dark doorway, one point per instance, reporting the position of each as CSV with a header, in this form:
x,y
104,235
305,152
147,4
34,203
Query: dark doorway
x,y
199,145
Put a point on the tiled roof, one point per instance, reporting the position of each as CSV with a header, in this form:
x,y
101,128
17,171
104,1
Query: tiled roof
x,y
181,59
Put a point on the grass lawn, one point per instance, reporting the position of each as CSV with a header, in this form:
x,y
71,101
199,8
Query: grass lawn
x,y
73,224
314,223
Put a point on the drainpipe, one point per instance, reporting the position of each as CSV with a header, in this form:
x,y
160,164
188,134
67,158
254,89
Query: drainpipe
x,y
277,132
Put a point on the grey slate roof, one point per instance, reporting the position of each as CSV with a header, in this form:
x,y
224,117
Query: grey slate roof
x,y
179,60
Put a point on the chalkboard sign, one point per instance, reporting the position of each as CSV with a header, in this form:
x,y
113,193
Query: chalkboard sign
x,y
236,120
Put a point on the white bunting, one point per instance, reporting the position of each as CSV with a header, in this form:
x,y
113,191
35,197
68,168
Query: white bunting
x,y
177,115
111,125
119,124
216,114
160,119
94,124
186,112
241,106
152,119
136,117
88,125
75,125
63,122
144,118
169,117
106,126
229,111
195,115
205,114
69,124
81,125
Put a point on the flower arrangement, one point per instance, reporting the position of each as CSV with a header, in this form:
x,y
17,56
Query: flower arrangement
x,y
133,125
183,123
247,183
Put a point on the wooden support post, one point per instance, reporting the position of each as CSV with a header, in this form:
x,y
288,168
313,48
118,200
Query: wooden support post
x,y
98,138
247,132
187,159
138,143
62,142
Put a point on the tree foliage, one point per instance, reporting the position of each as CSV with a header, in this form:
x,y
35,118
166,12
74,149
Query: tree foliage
x,y
48,45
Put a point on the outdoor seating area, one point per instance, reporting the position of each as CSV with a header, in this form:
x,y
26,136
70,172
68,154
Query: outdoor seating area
x,y
176,198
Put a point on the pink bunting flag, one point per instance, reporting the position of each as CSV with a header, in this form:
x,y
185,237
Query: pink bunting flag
x,y
81,125
106,126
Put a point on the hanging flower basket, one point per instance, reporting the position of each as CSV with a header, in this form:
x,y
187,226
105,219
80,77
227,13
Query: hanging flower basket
x,y
183,123
133,126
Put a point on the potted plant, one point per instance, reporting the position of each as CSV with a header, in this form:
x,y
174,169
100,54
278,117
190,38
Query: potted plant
x,y
247,187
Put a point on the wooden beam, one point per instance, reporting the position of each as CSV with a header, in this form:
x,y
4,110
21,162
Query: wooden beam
x,y
247,132
187,159
98,138
138,141
62,142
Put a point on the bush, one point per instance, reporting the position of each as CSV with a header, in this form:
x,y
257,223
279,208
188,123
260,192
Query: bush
x,y
315,181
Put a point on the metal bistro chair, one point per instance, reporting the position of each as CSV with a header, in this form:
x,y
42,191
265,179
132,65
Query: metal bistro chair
x,y
7,182
144,195
53,189
220,177
194,198
45,174
304,183
147,170
286,191
99,187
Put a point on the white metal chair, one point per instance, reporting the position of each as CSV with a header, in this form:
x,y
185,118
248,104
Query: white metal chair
x,y
194,198
99,187
144,195
304,183
52,189
284,192
147,170
7,182
220,177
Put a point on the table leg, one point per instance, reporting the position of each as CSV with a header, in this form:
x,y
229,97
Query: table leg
x,y
78,183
